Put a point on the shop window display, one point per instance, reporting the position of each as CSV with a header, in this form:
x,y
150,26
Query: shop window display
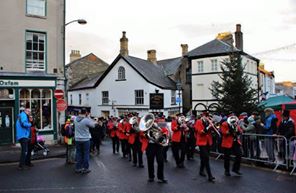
x,y
39,101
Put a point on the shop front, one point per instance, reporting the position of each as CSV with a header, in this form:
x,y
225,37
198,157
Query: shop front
x,y
36,93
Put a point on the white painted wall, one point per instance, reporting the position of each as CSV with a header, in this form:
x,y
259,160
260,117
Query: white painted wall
x,y
121,93
201,83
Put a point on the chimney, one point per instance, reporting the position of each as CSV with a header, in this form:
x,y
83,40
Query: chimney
x,y
151,54
124,45
238,37
184,49
75,54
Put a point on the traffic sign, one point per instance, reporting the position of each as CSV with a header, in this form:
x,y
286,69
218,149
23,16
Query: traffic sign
x,y
61,105
59,94
178,100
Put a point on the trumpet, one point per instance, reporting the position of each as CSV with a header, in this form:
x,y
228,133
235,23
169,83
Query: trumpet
x,y
212,125
233,123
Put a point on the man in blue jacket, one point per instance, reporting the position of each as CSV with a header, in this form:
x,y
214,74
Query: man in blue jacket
x,y
23,127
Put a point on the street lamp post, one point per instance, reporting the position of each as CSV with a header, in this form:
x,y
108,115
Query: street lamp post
x,y
179,87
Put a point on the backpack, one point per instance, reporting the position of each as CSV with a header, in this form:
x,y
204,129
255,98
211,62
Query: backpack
x,y
69,130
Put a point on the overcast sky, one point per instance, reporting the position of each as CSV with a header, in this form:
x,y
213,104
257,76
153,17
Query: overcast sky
x,y
165,24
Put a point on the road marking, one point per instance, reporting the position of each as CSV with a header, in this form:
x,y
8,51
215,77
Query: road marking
x,y
100,164
58,188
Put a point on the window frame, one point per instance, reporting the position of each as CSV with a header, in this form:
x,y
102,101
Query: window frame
x,y
105,97
32,51
139,100
173,97
200,66
79,98
36,14
214,65
121,73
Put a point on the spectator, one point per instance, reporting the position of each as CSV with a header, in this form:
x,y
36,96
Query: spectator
x,y
23,127
286,129
82,140
269,129
69,140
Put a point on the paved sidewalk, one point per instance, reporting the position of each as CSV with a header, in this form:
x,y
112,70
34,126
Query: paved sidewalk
x,y
11,153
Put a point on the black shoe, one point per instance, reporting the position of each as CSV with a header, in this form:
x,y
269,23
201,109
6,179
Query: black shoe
x,y
211,179
181,165
141,166
162,181
134,165
85,171
202,174
227,174
237,172
79,171
151,180
30,165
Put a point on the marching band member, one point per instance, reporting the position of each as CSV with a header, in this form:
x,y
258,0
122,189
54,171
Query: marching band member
x,y
112,133
231,144
204,141
154,150
180,130
122,137
191,140
127,128
135,144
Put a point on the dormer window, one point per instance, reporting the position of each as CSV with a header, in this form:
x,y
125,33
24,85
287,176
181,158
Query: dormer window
x,y
121,73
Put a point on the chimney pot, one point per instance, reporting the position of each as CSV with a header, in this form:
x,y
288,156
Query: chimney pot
x,y
184,49
124,44
75,54
151,56
238,37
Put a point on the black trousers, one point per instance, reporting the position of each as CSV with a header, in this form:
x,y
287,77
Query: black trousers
x,y
155,151
164,153
137,153
237,152
115,144
204,160
190,147
179,151
124,147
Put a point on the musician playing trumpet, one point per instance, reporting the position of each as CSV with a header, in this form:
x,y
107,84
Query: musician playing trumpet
x,y
204,140
180,130
231,144
112,129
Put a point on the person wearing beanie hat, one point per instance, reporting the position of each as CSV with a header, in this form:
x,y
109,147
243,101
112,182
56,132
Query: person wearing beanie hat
x,y
286,129
270,127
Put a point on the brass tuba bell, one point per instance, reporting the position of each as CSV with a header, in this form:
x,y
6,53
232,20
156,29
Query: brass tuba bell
x,y
152,130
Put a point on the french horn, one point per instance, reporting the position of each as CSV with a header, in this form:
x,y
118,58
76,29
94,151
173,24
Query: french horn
x,y
152,130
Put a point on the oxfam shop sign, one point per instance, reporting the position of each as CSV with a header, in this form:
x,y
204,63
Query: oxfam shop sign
x,y
27,83
8,83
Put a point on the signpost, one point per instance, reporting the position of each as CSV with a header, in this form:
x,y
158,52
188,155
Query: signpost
x,y
61,105
59,94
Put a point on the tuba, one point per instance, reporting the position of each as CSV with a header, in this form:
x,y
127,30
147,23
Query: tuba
x,y
134,122
152,130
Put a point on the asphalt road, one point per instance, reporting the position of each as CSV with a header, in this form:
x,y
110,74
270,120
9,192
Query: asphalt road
x,y
111,173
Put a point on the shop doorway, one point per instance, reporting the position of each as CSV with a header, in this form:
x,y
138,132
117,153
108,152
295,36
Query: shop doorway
x,y
6,125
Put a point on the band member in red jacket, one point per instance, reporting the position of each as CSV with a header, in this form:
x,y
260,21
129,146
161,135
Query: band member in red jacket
x,y
122,137
135,143
154,149
180,130
204,141
112,127
231,144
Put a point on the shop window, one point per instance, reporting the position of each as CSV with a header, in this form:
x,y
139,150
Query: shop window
x,y
40,103
6,94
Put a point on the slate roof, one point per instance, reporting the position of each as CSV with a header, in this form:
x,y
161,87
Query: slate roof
x,y
88,82
153,73
213,47
171,66
86,58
